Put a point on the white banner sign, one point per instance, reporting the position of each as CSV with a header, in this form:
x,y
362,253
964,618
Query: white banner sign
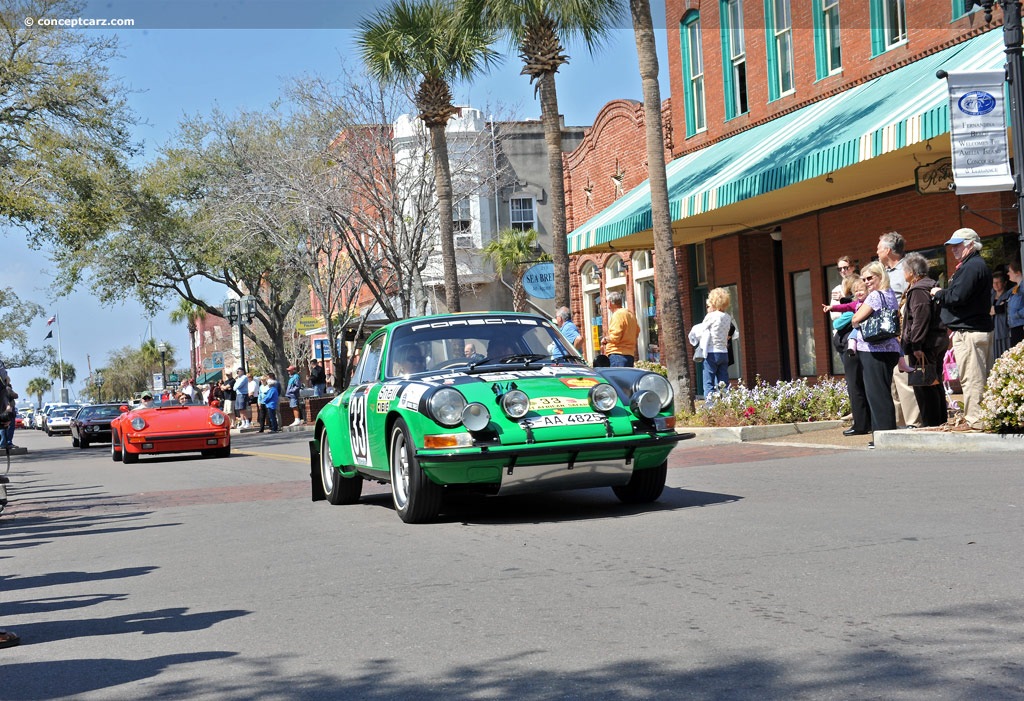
x,y
981,154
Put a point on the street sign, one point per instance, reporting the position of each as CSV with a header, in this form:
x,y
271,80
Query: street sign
x,y
173,377
307,323
158,381
321,349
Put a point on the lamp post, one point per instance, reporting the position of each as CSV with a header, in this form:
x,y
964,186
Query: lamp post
x,y
162,347
240,312
97,380
1013,40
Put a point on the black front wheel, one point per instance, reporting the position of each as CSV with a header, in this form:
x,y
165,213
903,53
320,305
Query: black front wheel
x,y
115,454
416,498
82,443
644,486
337,489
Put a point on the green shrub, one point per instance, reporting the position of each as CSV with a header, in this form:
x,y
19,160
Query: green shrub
x,y
652,367
1002,405
782,402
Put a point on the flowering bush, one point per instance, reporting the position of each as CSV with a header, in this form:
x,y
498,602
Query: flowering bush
x,y
1002,405
783,402
652,367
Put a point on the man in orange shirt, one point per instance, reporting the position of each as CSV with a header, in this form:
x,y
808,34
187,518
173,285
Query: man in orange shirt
x,y
623,330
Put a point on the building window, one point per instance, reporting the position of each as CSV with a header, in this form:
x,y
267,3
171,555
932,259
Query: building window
x,y
646,298
832,278
462,224
780,48
803,313
736,368
591,311
693,69
735,58
888,25
522,216
828,59
958,9
615,271
701,265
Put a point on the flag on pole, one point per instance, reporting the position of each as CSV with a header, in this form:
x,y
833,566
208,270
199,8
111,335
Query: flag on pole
x,y
51,320
49,335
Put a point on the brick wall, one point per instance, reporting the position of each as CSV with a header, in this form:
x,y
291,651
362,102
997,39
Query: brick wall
x,y
930,30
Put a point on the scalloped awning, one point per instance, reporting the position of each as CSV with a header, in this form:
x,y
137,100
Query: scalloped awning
x,y
870,138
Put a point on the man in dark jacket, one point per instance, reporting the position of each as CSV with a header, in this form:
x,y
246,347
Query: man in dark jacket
x,y
317,378
965,310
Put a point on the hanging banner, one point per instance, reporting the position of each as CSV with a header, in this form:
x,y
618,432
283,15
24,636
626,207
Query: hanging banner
x,y
977,120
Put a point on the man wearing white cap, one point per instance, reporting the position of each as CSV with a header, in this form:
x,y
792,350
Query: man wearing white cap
x,y
965,310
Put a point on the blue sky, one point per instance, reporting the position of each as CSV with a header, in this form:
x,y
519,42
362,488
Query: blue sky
x,y
173,72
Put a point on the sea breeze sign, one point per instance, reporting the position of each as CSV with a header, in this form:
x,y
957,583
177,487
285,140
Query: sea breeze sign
x,y
539,281
981,154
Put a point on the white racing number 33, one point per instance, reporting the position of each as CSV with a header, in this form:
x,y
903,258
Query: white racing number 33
x,y
357,429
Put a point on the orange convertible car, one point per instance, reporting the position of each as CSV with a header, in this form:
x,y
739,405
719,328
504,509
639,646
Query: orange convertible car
x,y
170,427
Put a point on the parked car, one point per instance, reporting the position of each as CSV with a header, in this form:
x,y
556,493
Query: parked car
x,y
524,414
170,427
59,420
92,424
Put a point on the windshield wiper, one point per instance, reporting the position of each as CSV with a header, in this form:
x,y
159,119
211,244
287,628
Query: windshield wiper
x,y
525,358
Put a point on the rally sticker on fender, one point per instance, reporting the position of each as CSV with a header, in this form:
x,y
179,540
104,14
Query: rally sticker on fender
x,y
411,396
557,403
562,420
580,382
388,392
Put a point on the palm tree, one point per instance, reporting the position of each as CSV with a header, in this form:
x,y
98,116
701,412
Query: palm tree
x,y
515,249
38,386
428,42
191,314
537,29
54,371
666,281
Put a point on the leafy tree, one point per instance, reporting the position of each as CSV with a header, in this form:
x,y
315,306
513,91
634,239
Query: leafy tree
x,y
15,316
537,29
516,250
670,315
429,42
64,125
191,314
38,386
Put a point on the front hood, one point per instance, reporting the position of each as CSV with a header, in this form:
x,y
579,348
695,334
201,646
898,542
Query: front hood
x,y
170,419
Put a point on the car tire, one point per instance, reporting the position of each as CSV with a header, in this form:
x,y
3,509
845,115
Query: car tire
x,y
644,486
75,443
115,454
224,452
129,458
416,498
83,444
337,489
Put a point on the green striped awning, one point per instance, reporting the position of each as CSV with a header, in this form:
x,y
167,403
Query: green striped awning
x,y
208,377
903,107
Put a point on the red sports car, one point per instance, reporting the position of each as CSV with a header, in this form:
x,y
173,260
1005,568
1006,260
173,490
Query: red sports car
x,y
170,427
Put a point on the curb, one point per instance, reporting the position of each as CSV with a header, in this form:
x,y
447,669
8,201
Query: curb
x,y
14,451
949,442
742,434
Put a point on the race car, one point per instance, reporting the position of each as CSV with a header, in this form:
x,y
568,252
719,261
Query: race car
x,y
169,427
498,403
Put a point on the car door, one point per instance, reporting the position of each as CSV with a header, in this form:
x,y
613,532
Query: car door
x,y
352,436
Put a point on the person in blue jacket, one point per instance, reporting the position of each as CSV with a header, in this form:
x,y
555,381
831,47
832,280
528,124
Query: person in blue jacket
x,y
270,400
1015,305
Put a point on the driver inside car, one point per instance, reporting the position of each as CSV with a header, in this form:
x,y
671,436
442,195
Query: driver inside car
x,y
409,360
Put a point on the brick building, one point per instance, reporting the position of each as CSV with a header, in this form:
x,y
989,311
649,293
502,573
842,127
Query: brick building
x,y
796,132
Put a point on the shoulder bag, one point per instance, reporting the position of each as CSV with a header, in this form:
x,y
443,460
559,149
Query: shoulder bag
x,y
882,325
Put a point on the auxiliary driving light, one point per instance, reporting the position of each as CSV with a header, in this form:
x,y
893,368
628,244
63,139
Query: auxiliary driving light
x,y
475,417
645,404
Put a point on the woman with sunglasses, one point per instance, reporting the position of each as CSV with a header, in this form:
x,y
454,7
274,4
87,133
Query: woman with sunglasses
x,y
878,360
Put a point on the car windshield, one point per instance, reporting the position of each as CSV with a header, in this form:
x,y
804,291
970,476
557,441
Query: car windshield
x,y
465,342
63,413
100,412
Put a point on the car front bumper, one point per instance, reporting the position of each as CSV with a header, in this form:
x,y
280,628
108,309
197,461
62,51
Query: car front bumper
x,y
176,442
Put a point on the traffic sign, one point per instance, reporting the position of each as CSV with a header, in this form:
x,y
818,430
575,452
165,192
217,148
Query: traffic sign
x,y
158,381
173,377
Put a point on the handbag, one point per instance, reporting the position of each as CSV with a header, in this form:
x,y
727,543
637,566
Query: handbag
x,y
881,326
923,376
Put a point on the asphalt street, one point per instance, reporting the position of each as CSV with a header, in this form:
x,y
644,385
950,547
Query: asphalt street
x,y
764,572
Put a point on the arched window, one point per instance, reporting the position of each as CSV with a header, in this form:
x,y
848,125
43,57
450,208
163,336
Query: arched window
x,y
615,272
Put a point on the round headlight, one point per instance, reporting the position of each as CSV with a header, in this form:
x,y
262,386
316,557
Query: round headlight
x,y
603,397
446,405
217,418
515,403
657,384
645,404
475,417
138,423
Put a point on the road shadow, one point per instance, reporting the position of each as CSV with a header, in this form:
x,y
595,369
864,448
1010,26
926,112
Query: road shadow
x,y
9,583
170,620
555,507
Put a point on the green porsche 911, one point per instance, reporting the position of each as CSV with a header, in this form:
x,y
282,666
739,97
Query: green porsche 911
x,y
499,403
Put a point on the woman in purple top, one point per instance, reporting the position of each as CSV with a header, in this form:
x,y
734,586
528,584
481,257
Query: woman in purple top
x,y
878,360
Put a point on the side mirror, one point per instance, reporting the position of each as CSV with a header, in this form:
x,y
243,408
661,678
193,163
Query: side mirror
x,y
123,409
